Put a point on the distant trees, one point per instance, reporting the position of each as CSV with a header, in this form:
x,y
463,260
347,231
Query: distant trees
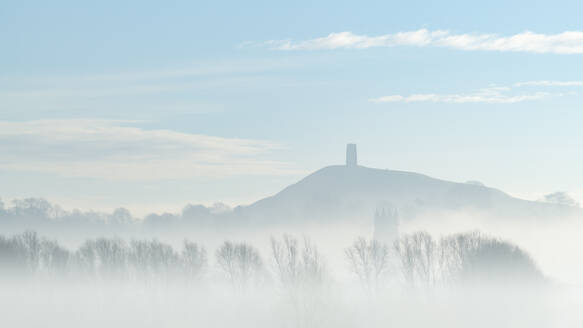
x,y
475,258
240,262
13,256
85,260
144,259
103,258
419,259
461,258
297,265
369,260
31,244
287,258
120,216
161,222
152,259
196,214
194,260
33,208
111,256
301,271
39,214
560,198
54,258
26,254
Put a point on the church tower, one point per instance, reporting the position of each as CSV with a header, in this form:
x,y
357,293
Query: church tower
x,y
351,155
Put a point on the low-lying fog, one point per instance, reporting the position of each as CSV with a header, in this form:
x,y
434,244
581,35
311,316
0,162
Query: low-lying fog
x,y
434,275
456,269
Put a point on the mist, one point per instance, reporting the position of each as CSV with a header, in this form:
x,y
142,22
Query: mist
x,y
291,164
217,266
213,266
415,282
202,267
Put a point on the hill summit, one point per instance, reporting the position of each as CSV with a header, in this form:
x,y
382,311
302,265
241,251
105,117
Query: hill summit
x,y
353,192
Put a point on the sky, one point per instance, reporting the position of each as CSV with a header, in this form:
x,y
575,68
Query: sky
x,y
151,106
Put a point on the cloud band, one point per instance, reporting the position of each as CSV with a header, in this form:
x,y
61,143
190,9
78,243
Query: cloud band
x,y
569,42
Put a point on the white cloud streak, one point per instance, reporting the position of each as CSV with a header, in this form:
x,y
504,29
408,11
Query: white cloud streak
x,y
492,95
117,150
495,98
550,83
569,42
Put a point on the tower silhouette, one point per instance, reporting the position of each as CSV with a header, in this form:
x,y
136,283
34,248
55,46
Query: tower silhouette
x,y
351,155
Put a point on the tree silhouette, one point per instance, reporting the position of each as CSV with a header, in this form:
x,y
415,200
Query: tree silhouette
x,y
369,260
194,260
240,262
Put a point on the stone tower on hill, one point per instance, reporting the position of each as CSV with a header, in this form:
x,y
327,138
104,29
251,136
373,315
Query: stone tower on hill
x,y
351,155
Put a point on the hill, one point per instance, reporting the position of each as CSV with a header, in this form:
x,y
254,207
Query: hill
x,y
355,192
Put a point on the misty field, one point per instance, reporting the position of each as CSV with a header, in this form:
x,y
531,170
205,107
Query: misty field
x,y
458,280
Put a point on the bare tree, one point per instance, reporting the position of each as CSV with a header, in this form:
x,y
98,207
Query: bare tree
x,y
302,272
151,259
31,244
111,255
426,265
54,258
452,252
240,262
417,257
314,268
194,260
140,257
13,257
369,260
288,263
85,259
20,254
295,266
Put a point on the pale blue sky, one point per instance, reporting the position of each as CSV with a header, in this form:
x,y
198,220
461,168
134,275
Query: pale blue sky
x,y
151,106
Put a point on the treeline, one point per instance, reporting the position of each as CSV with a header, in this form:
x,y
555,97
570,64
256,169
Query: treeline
x,y
416,260
422,261
38,212
27,255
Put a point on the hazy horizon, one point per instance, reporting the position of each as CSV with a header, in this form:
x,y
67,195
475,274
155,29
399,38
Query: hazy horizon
x,y
141,210
291,164
189,103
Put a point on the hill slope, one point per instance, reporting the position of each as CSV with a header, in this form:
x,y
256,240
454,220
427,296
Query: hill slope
x,y
355,193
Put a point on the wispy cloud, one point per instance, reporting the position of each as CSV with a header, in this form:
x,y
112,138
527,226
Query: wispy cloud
x,y
478,97
550,83
168,90
491,95
120,150
569,42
